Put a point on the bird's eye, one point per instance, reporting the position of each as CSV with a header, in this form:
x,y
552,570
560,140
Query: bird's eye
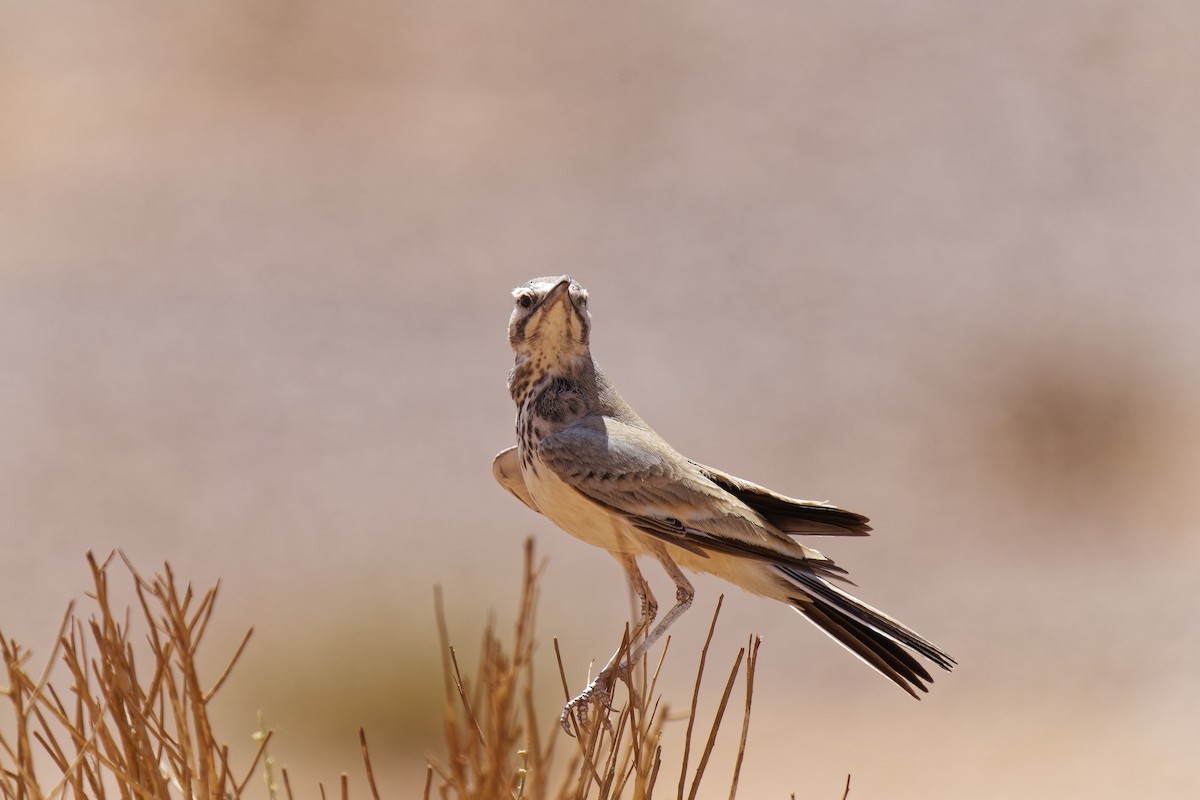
x,y
525,301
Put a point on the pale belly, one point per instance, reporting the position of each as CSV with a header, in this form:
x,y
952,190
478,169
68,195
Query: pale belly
x,y
579,516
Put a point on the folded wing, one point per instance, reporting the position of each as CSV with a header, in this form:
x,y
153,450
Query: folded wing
x,y
630,471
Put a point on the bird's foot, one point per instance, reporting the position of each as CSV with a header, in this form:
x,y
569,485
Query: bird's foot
x,y
598,694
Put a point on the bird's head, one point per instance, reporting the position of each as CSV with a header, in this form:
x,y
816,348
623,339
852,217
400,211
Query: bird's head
x,y
550,319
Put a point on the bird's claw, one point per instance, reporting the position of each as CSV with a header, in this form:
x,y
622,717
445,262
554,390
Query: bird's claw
x,y
598,691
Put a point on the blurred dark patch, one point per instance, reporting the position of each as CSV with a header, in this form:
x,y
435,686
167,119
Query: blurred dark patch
x,y
1084,433
319,688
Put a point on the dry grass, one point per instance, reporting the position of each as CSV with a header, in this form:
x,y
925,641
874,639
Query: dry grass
x,y
501,745
119,730
106,723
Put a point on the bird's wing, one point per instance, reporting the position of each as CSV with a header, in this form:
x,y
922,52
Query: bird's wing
x,y
787,513
507,469
633,472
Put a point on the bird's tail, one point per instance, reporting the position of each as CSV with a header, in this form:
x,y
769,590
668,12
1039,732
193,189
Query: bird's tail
x,y
878,640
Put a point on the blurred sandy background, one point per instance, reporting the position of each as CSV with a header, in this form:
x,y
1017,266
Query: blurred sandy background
x,y
936,262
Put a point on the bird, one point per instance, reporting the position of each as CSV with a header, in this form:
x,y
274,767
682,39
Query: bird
x,y
586,461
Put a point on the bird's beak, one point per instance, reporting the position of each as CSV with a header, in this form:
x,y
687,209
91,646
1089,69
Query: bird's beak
x,y
562,319
561,291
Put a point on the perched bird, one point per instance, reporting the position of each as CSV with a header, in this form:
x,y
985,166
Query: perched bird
x,y
586,461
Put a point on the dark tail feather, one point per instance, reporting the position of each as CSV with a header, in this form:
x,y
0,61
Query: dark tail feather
x,y
873,636
787,513
880,653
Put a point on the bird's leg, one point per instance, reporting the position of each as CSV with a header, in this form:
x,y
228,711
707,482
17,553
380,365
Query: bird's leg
x,y
683,601
601,687
647,606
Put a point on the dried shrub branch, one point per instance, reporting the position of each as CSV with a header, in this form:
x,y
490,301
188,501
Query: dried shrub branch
x,y
133,719
121,733
494,741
